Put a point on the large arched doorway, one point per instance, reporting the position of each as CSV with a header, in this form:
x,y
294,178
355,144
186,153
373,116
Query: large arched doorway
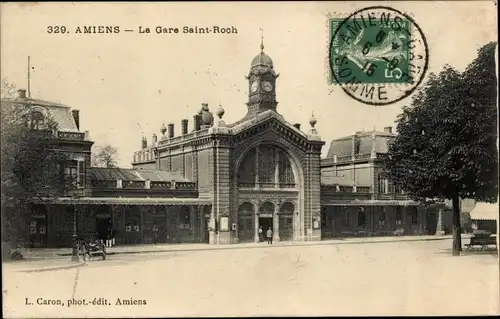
x,y
287,210
266,175
246,213
266,214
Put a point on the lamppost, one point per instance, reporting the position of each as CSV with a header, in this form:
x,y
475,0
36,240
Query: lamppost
x,y
74,255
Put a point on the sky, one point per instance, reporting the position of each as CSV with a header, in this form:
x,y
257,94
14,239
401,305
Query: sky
x,y
127,85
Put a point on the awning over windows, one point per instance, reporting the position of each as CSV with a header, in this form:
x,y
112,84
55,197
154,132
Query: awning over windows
x,y
125,201
485,211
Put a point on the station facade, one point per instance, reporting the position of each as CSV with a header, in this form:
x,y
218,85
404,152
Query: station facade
x,y
218,182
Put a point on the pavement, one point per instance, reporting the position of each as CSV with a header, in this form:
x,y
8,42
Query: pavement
x,y
47,259
39,265
391,278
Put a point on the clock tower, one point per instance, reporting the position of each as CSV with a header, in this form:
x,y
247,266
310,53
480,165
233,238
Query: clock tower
x,y
261,84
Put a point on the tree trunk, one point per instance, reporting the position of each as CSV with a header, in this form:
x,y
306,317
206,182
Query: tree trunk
x,y
457,237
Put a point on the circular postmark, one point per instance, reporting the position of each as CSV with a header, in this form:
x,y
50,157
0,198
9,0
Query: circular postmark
x,y
378,55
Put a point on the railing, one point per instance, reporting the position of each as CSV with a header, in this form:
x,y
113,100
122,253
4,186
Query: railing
x,y
246,185
112,184
362,189
103,184
71,136
344,158
183,137
393,196
268,185
184,185
346,189
134,184
349,196
362,156
161,185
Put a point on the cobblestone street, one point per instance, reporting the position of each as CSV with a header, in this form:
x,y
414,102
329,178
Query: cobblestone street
x,y
405,278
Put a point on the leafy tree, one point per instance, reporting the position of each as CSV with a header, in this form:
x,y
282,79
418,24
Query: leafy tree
x,y
446,144
30,168
106,156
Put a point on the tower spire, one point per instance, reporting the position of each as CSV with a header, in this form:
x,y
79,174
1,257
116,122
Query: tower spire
x,y
261,39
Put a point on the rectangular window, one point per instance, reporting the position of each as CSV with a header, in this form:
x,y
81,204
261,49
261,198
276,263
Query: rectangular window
x,y
390,188
80,182
381,219
414,217
382,186
399,216
33,227
71,173
398,189
75,173
184,220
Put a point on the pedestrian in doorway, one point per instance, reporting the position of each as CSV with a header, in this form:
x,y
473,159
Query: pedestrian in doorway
x,y
269,235
261,234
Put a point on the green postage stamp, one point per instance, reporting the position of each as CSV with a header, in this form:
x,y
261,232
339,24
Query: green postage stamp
x,y
378,55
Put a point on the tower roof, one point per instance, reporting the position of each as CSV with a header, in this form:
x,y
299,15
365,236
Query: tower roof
x,y
262,59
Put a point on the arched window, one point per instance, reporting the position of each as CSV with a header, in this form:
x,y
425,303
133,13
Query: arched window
x,y
266,167
246,173
266,208
287,208
37,120
246,209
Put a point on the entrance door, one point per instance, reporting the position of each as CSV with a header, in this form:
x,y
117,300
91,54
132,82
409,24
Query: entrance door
x,y
38,232
246,224
103,226
286,221
245,229
266,223
286,227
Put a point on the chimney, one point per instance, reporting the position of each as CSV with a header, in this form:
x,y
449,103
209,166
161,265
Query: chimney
x,y
154,140
76,117
144,143
21,93
197,122
388,129
297,126
170,130
184,124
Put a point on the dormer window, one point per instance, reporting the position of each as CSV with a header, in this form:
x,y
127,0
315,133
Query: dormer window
x,y
37,120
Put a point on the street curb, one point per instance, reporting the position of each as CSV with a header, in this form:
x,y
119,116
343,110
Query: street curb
x,y
76,265
236,246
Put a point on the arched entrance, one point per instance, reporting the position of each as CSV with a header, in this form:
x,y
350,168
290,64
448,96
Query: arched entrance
x,y
246,225
267,175
266,214
286,213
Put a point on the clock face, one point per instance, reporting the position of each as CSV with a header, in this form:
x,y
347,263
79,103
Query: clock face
x,y
267,86
254,86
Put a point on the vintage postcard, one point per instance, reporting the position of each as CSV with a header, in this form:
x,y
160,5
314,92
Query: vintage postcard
x,y
205,159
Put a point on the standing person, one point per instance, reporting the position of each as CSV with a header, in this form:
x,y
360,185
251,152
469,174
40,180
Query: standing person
x,y
269,235
261,234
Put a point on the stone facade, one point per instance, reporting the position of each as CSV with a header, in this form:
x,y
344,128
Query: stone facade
x,y
219,183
